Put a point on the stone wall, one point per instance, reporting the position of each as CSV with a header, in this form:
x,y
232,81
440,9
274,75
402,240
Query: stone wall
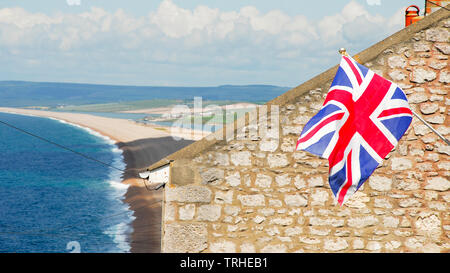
x,y
257,194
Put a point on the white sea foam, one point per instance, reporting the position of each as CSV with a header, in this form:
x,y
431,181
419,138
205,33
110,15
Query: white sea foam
x,y
119,232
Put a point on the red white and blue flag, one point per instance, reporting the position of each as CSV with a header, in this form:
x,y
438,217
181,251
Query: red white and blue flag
x,y
361,121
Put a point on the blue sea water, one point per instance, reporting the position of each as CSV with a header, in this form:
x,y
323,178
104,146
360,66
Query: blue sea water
x,y
53,200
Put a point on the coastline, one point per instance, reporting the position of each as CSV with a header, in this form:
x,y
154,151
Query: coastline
x,y
141,146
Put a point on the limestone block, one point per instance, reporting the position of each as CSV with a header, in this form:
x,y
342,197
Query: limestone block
x,y
380,183
409,202
259,219
382,203
444,165
373,246
438,184
299,182
437,65
268,145
222,246
415,243
417,98
223,197
274,248
436,119
318,221
364,221
247,248
186,237
429,108
283,180
266,211
293,231
277,160
242,158
288,145
187,212
396,61
436,98
443,47
309,240
432,157
263,181
209,212
437,35
390,222
358,244
316,181
319,197
407,185
397,75
302,119
234,179
421,129
296,200
358,200
400,164
392,245
429,223
169,211
188,194
292,130
438,91
231,210
222,159
444,76
211,175
420,75
252,200
282,221
275,203
335,244
421,46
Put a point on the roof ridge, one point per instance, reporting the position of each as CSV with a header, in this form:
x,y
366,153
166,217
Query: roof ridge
x,y
366,55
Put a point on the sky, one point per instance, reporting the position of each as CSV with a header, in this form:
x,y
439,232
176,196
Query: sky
x,y
187,42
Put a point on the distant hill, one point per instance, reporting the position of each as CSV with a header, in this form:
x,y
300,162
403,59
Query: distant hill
x,y
21,94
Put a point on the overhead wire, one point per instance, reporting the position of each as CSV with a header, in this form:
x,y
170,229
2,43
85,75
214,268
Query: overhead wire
x,y
46,232
73,151
63,147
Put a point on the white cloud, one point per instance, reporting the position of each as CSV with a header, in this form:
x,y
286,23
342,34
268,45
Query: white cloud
x,y
243,41
73,2
373,2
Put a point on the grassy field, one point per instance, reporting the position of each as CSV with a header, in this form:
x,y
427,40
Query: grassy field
x,y
119,106
135,105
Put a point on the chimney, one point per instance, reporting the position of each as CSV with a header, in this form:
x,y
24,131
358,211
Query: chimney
x,y
412,12
412,15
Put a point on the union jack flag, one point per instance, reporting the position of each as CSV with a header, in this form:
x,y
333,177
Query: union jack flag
x,y
361,121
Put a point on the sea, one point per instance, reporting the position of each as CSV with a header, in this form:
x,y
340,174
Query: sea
x,y
54,200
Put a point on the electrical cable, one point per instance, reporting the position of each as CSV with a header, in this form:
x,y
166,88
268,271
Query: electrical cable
x,y
64,147
69,149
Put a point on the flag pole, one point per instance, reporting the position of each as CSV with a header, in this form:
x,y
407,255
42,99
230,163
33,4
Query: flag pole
x,y
431,128
343,52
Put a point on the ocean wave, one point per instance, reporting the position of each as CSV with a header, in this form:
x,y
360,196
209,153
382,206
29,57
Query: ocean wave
x,y
119,232
119,235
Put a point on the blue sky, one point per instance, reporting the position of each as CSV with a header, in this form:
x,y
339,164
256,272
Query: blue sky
x,y
187,42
